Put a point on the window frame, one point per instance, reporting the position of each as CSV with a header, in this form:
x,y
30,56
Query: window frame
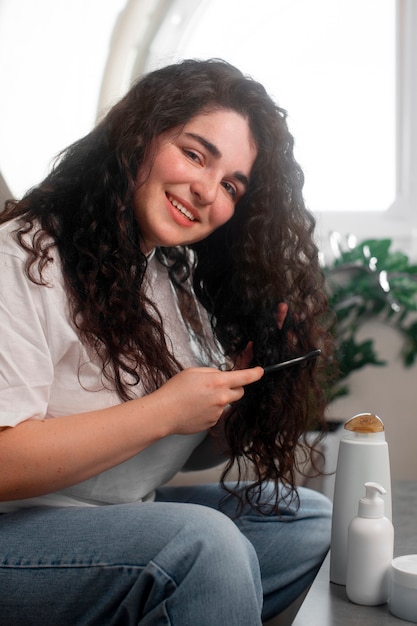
x,y
399,221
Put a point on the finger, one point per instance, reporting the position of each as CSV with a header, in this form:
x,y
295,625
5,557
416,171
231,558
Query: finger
x,y
243,360
240,378
282,310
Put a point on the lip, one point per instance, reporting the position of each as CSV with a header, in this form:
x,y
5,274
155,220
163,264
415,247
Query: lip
x,y
179,217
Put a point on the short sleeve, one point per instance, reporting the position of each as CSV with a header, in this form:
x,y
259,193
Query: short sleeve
x,y
26,370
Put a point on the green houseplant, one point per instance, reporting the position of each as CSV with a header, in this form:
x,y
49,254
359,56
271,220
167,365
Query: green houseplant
x,y
370,281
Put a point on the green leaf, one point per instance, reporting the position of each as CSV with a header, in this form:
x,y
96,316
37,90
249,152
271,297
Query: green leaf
x,y
357,296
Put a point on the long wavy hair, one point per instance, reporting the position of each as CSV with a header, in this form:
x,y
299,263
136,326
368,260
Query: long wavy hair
x,y
263,256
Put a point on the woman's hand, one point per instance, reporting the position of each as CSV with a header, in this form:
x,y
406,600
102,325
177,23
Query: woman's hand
x,y
194,400
245,357
282,310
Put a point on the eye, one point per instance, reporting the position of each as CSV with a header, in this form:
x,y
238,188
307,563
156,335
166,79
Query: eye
x,y
192,155
231,190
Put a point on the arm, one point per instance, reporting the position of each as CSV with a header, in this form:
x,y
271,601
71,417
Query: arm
x,y
41,456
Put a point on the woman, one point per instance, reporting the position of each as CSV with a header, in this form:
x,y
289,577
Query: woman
x,y
173,238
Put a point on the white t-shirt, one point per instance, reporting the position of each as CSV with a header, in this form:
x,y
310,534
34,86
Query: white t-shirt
x,y
46,372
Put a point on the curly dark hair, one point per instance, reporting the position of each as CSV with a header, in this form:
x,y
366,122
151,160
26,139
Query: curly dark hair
x,y
263,256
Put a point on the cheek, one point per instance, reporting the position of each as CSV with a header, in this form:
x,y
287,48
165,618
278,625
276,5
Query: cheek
x,y
223,213
168,165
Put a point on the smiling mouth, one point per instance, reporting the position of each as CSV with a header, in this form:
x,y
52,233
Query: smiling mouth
x,y
182,209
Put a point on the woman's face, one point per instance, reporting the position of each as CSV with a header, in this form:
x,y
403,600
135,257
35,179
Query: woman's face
x,y
195,179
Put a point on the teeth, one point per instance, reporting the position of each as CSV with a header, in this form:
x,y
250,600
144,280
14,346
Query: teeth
x,y
182,209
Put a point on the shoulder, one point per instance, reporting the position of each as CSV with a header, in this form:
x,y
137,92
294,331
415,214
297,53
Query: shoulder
x,y
9,244
14,257
9,237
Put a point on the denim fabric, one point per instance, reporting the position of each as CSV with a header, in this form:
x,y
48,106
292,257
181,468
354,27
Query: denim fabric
x,y
177,561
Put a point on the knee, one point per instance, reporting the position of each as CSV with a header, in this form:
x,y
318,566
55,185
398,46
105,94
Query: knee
x,y
317,508
219,540
318,502
213,559
210,545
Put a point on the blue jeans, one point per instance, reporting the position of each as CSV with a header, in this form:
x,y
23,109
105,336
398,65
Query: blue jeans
x,y
177,561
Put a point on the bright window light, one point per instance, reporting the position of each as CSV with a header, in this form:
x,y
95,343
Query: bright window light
x,y
331,64
53,56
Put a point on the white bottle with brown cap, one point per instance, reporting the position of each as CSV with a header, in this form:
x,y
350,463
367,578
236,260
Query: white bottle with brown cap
x,y
363,457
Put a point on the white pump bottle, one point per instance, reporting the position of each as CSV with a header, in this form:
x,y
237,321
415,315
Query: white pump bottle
x,y
370,550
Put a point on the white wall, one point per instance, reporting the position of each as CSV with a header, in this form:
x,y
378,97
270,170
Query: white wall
x,y
390,392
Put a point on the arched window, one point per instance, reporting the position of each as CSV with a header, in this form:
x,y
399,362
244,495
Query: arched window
x,y
346,70
332,66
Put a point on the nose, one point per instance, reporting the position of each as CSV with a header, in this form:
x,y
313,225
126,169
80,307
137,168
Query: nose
x,y
204,188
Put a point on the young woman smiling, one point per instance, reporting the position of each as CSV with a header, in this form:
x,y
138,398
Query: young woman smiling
x,y
169,240
198,174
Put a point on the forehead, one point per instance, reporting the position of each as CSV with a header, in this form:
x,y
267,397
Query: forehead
x,y
225,134
221,120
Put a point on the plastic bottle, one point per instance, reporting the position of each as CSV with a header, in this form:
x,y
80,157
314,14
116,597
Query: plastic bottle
x,y
370,550
363,457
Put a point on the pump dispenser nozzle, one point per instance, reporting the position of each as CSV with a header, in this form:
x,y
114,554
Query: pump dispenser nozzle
x,y
372,505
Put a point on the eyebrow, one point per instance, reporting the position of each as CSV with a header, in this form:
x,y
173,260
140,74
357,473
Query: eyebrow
x,y
217,154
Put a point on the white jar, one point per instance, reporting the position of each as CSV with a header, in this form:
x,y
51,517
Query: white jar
x,y
403,592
